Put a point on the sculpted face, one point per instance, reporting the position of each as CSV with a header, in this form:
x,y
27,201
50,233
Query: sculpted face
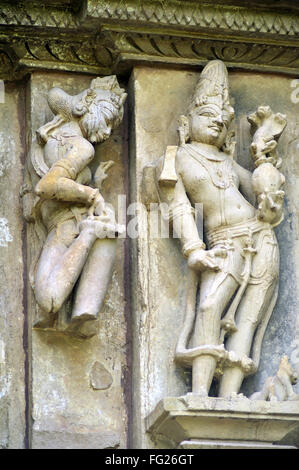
x,y
208,125
101,111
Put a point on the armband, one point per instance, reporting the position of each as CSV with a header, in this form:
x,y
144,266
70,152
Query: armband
x,y
191,246
181,210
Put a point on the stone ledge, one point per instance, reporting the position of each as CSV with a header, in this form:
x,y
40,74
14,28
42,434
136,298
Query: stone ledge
x,y
214,444
239,420
183,33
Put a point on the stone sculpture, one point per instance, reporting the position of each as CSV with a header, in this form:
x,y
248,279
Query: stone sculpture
x,y
237,267
75,226
279,387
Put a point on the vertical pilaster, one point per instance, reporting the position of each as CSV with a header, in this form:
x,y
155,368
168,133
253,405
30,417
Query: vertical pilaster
x,y
12,259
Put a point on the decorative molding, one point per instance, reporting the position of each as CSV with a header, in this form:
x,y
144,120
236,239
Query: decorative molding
x,y
189,14
101,37
193,51
86,55
37,15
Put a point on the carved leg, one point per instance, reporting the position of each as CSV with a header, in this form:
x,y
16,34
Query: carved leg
x,y
251,311
94,281
60,265
215,292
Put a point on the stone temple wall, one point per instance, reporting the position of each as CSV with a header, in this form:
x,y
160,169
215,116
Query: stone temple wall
x,y
105,392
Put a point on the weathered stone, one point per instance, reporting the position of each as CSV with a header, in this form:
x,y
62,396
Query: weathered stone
x,y
50,373
12,259
159,280
66,411
63,199
234,267
194,422
100,377
173,32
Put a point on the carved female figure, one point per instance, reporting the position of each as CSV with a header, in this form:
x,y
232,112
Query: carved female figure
x,y
237,266
79,248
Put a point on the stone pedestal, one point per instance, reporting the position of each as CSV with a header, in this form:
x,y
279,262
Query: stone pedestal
x,y
192,422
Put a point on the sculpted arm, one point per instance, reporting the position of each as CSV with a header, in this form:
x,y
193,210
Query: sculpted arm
x,y
182,218
246,187
59,182
184,226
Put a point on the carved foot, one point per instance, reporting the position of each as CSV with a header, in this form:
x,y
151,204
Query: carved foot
x,y
235,395
45,322
201,392
84,326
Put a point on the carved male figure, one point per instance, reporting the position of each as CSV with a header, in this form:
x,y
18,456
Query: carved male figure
x,y
79,248
237,267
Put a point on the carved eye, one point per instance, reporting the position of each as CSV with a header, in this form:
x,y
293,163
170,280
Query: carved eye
x,y
206,114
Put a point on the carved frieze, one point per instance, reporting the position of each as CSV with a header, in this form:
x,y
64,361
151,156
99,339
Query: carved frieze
x,y
184,33
190,14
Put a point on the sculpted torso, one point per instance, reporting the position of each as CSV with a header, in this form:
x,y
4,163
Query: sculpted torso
x,y
222,205
57,147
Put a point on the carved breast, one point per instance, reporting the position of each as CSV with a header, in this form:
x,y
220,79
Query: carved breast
x,y
197,168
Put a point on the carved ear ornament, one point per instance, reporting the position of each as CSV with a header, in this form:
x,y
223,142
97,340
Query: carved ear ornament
x,y
183,129
90,96
80,109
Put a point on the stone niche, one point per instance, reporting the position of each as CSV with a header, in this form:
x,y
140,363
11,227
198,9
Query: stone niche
x,y
77,385
159,96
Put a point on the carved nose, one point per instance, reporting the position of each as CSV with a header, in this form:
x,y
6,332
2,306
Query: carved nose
x,y
218,120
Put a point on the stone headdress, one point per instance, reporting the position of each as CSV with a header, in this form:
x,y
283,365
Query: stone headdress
x,y
99,109
65,107
212,89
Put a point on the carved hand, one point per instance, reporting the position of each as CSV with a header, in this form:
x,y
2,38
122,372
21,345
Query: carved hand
x,y
101,173
200,260
270,208
97,206
101,226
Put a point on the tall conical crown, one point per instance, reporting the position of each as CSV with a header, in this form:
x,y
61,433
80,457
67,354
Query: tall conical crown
x,y
212,88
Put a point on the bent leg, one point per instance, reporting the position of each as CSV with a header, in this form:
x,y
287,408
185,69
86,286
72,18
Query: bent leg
x,y
252,309
216,291
60,265
94,280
